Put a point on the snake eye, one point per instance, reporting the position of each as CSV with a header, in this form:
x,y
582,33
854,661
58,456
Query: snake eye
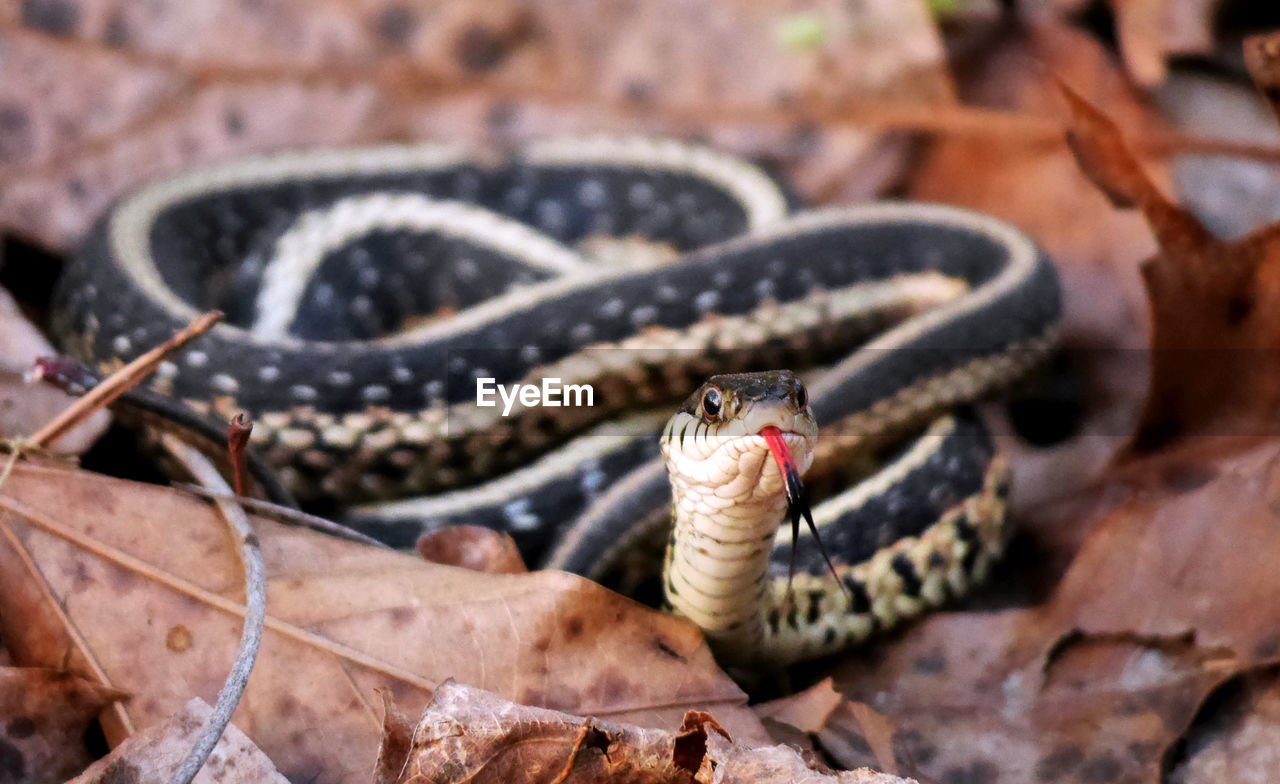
x,y
801,397
712,400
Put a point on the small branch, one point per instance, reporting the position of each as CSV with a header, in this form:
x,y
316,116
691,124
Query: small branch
x,y
121,381
254,613
238,432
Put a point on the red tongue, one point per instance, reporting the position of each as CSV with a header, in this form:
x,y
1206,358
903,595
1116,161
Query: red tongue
x,y
782,456
797,504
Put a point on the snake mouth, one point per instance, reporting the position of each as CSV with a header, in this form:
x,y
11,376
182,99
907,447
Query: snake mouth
x,y
797,498
781,451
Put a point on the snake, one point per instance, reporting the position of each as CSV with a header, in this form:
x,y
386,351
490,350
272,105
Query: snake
x,y
589,284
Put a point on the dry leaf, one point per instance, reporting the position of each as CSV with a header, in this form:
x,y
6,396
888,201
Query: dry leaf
x,y
397,742
849,731
1186,548
472,547
807,710
1213,302
1171,596
470,735
1262,57
1152,30
139,587
25,407
102,95
780,765
1237,737
43,718
155,753
857,734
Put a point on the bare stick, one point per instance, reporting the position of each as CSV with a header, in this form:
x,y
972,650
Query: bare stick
x,y
238,433
255,608
121,381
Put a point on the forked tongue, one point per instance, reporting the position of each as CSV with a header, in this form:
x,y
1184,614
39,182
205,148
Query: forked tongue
x,y
797,499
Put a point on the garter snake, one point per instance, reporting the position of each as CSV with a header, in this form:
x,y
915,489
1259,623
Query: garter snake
x,y
370,291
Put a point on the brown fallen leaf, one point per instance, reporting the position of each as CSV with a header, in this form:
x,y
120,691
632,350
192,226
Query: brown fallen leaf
x,y
25,407
43,718
472,547
467,734
155,753
781,765
849,731
1213,302
1262,57
397,742
807,710
1150,31
1173,594
1237,737
103,96
138,587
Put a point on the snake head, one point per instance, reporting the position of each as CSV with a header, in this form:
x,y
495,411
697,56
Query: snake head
x,y
717,447
720,436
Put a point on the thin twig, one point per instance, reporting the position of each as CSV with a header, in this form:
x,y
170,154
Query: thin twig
x,y
254,613
238,432
288,515
121,381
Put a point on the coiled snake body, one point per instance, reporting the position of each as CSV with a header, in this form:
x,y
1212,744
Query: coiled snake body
x,y
371,293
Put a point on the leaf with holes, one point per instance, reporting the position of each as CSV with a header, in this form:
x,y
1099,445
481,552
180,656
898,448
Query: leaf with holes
x,y
473,736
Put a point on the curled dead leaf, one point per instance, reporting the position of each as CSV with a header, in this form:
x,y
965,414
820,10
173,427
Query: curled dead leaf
x,y
1152,30
470,735
1262,58
1213,302
472,547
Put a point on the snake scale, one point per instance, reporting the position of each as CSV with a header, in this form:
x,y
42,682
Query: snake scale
x,y
370,293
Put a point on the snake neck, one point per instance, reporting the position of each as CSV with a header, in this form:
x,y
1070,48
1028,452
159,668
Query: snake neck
x,y
727,513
